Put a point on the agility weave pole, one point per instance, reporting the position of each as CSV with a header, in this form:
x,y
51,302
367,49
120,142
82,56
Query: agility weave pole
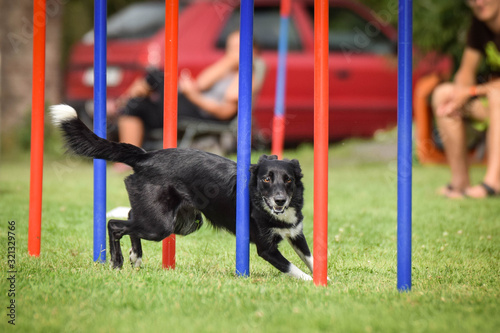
x,y
321,97
170,104
244,139
404,145
37,130
279,103
100,11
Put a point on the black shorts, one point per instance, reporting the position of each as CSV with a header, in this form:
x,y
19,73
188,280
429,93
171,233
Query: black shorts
x,y
150,111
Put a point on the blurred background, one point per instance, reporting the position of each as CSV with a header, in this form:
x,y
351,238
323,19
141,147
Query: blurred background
x,y
363,53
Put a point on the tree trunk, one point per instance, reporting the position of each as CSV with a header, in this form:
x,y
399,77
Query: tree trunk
x,y
16,56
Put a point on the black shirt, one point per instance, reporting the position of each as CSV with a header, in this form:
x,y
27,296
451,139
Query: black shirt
x,y
482,39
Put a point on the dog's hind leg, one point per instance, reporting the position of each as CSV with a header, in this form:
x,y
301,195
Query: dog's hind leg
x,y
135,251
116,230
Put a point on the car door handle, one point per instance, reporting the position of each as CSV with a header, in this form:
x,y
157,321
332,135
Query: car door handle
x,y
342,74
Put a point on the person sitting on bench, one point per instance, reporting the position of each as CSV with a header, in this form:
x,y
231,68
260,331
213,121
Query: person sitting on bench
x,y
212,95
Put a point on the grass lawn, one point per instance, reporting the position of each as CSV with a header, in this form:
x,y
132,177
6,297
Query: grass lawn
x,y
456,266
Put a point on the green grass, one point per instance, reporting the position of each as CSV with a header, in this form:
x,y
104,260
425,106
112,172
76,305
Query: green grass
x,y
456,267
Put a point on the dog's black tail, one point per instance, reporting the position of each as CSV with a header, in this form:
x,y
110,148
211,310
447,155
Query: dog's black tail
x,y
84,142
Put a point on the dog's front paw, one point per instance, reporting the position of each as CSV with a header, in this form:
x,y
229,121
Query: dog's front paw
x,y
306,277
295,272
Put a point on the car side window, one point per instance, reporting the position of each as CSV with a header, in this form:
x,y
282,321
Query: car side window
x,y
349,32
266,29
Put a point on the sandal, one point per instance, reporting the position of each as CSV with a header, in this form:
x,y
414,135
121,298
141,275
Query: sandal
x,y
490,192
449,192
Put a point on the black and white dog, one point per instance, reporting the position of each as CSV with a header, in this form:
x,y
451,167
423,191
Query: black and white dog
x,y
170,189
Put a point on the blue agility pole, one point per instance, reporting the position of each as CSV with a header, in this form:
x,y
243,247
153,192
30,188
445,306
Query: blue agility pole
x,y
244,139
404,144
100,128
279,104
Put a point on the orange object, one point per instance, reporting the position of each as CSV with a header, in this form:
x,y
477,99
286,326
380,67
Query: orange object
x,y
170,104
320,142
427,151
37,130
278,136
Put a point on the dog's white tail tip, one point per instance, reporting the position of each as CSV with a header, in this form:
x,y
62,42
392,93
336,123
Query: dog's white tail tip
x,y
61,113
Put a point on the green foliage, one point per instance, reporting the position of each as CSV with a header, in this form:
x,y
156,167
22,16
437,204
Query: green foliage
x,y
17,140
78,19
455,261
437,25
441,25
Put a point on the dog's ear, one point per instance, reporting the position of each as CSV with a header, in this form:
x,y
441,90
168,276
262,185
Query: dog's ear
x,y
253,168
267,158
297,169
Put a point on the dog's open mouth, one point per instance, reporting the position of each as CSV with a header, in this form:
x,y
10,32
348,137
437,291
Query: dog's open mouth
x,y
278,209
275,209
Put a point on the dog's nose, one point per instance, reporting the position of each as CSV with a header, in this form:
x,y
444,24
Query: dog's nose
x,y
280,200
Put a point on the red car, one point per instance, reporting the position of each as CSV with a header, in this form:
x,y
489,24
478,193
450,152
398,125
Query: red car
x,y
363,60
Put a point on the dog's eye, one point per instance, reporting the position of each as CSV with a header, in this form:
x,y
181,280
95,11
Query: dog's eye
x,y
266,179
288,180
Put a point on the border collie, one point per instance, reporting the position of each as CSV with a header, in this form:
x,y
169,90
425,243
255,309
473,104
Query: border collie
x,y
172,189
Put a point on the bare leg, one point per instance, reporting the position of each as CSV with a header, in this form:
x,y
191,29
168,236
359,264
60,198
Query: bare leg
x,y
492,176
452,132
131,130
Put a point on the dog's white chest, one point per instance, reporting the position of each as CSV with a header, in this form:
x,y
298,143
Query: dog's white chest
x,y
288,216
289,233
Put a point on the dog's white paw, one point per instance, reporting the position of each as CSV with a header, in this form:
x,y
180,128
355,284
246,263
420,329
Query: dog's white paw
x,y
295,272
134,259
306,277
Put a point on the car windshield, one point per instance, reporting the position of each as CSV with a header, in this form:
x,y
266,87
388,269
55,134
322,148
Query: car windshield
x,y
137,21
266,29
141,20
349,32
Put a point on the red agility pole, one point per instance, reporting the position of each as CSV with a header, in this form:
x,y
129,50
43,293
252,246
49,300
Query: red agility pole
x,y
170,103
37,120
320,142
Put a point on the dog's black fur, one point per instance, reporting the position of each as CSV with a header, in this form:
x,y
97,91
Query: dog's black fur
x,y
170,189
